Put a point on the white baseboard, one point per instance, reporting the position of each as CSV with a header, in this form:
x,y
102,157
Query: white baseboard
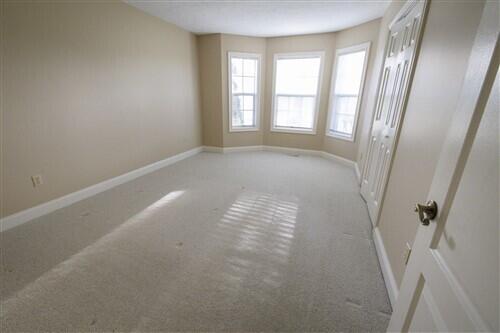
x,y
24,216
277,149
358,173
311,152
225,150
241,149
286,150
213,149
338,159
385,265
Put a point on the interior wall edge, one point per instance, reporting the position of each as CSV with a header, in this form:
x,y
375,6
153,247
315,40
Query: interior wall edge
x,y
358,172
210,80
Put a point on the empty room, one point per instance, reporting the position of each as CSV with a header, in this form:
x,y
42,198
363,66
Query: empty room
x,y
249,166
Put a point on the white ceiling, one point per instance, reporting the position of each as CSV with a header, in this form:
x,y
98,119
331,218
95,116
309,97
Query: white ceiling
x,y
264,18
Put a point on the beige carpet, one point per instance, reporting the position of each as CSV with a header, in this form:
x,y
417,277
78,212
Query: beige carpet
x,y
255,241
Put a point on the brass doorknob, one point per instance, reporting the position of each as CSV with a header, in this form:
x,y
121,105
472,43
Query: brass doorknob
x,y
426,212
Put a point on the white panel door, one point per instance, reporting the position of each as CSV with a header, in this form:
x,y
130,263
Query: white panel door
x,y
402,44
451,283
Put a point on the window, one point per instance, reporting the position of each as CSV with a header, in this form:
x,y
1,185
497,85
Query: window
x,y
347,88
244,100
295,98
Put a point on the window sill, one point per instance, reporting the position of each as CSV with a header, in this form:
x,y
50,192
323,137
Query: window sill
x,y
340,137
293,130
243,129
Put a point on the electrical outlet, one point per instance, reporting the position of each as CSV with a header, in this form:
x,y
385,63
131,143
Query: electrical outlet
x,y
37,180
407,253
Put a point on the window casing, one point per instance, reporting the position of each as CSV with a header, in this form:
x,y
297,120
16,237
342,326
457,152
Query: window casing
x,y
348,80
296,86
244,91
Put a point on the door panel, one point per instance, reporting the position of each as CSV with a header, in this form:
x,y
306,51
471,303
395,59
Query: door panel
x,y
469,242
383,89
421,322
398,65
476,202
369,157
452,278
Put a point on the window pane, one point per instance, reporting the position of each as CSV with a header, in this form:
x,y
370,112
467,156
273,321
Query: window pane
x,y
349,73
248,103
237,111
297,112
297,76
248,118
345,105
343,124
243,111
345,110
237,84
248,85
236,66
282,103
249,67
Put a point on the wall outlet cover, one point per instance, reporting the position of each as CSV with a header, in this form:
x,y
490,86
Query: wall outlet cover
x,y
37,180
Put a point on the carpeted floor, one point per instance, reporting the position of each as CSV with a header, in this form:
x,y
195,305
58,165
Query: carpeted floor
x,y
255,241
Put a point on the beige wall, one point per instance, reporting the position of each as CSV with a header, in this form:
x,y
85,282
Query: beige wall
x,y
367,32
233,43
209,58
446,46
90,91
317,42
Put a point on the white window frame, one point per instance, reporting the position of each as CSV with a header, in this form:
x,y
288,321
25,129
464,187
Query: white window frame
x,y
246,55
331,105
297,55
